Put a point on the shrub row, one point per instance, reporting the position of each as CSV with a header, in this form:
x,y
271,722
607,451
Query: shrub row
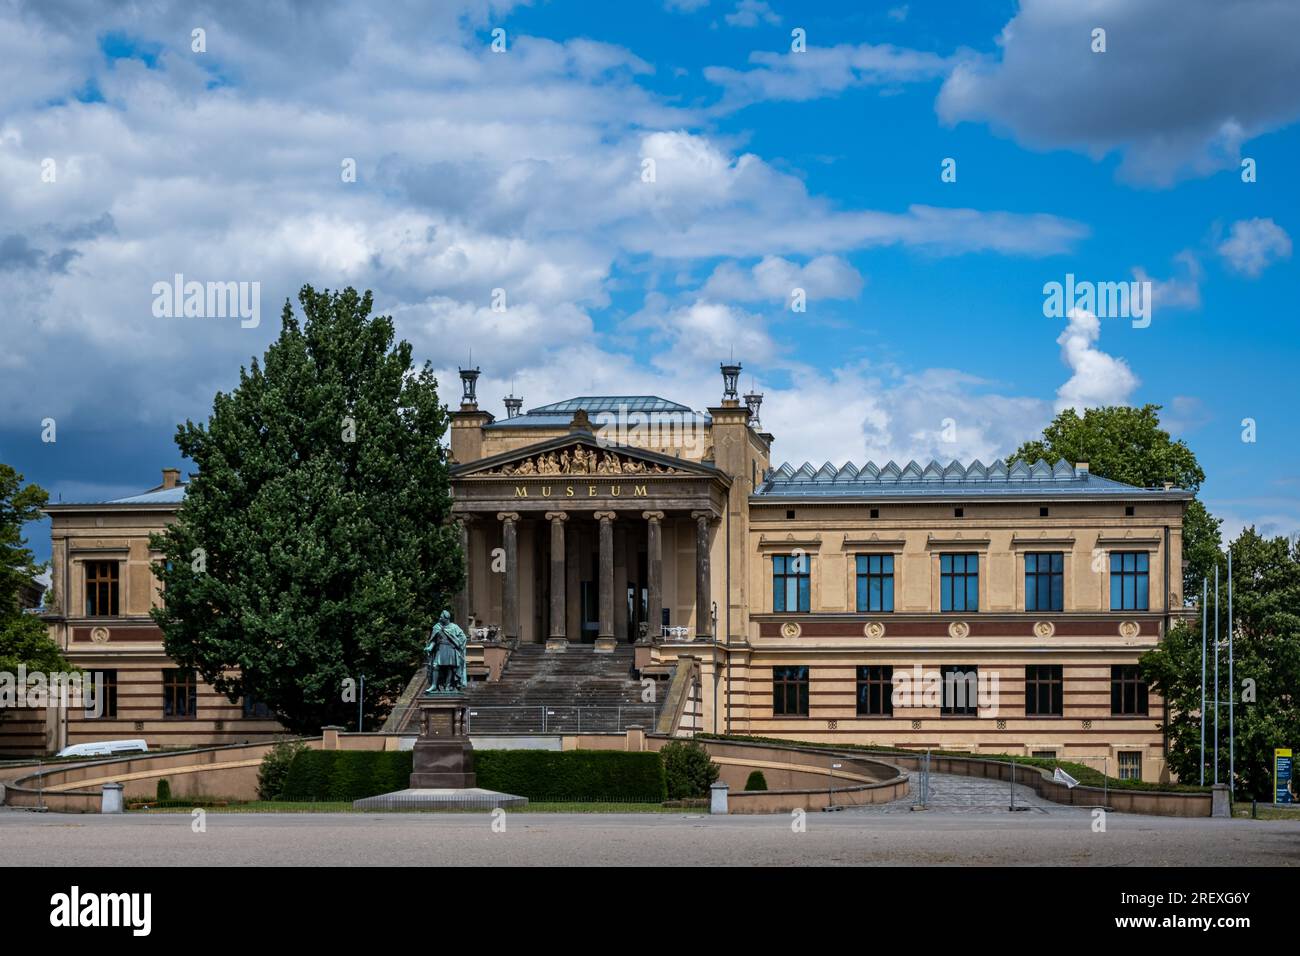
x,y
345,775
547,776
539,775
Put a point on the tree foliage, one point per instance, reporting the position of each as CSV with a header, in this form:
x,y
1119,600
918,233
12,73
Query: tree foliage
x,y
1128,445
314,542
1266,667
24,638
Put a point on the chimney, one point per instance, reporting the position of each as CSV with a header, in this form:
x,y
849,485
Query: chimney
x,y
171,477
1081,469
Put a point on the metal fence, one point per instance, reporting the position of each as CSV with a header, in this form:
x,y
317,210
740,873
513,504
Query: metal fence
x,y
559,718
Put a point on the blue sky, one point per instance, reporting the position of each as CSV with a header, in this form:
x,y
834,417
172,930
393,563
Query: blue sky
x,y
774,170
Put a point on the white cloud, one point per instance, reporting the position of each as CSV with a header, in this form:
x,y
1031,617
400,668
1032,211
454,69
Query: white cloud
x,y
1098,378
1176,292
1253,245
822,71
750,13
1158,95
775,279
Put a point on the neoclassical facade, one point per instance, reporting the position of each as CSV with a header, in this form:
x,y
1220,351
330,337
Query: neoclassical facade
x,y
990,609
994,609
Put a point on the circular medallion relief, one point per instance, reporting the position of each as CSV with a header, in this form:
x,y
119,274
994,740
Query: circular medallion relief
x,y
99,635
791,629
874,629
1129,629
958,629
1044,628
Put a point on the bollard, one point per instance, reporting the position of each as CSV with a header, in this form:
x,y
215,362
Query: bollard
x,y
111,798
1219,805
718,798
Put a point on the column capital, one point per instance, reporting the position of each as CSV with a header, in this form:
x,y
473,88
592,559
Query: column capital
x,y
605,515
653,515
507,516
708,516
557,516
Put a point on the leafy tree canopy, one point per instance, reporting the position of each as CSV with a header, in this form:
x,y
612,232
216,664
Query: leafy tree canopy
x,y
314,543
1127,444
1266,668
24,638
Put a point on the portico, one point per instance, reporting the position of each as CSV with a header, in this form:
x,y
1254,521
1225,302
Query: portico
x,y
569,541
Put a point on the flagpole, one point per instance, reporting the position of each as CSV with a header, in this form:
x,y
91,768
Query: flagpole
x,y
1216,674
1205,596
1232,691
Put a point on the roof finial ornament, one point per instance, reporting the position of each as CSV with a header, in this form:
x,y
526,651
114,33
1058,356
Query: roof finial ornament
x,y
730,372
754,400
514,405
469,387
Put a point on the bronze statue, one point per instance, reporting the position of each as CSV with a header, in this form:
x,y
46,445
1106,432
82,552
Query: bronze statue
x,y
446,657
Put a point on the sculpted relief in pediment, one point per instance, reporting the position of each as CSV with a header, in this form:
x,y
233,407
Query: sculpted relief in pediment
x,y
582,461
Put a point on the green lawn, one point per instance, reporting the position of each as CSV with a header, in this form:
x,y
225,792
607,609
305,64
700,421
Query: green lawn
x,y
1266,812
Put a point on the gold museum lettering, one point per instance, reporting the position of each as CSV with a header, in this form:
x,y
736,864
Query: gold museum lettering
x,y
569,491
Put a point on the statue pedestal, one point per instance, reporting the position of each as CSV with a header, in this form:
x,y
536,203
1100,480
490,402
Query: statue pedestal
x,y
443,757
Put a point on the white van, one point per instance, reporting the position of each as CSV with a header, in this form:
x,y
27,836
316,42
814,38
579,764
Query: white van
x,y
104,748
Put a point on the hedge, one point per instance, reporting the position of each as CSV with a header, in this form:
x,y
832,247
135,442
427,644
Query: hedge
x,y
345,775
540,775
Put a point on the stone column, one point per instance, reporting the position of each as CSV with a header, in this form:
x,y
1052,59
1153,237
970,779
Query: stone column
x,y
510,592
463,604
605,641
654,561
620,582
557,640
703,591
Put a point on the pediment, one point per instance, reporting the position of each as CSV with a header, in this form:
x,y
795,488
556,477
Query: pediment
x,y
580,455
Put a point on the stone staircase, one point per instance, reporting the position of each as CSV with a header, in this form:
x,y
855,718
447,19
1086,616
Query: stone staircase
x,y
570,691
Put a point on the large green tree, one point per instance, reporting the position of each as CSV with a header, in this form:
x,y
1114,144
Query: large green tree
x,y
1127,444
314,544
1266,668
24,638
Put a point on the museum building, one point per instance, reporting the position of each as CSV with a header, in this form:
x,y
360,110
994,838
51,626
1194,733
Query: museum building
x,y
983,608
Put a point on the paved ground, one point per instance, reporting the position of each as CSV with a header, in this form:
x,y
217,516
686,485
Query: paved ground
x,y
847,838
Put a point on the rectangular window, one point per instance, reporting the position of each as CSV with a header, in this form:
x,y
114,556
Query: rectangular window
x,y
1044,754
959,582
1128,691
791,582
180,694
1043,691
103,686
790,691
1130,765
875,582
101,588
875,690
960,691
1129,577
1045,581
